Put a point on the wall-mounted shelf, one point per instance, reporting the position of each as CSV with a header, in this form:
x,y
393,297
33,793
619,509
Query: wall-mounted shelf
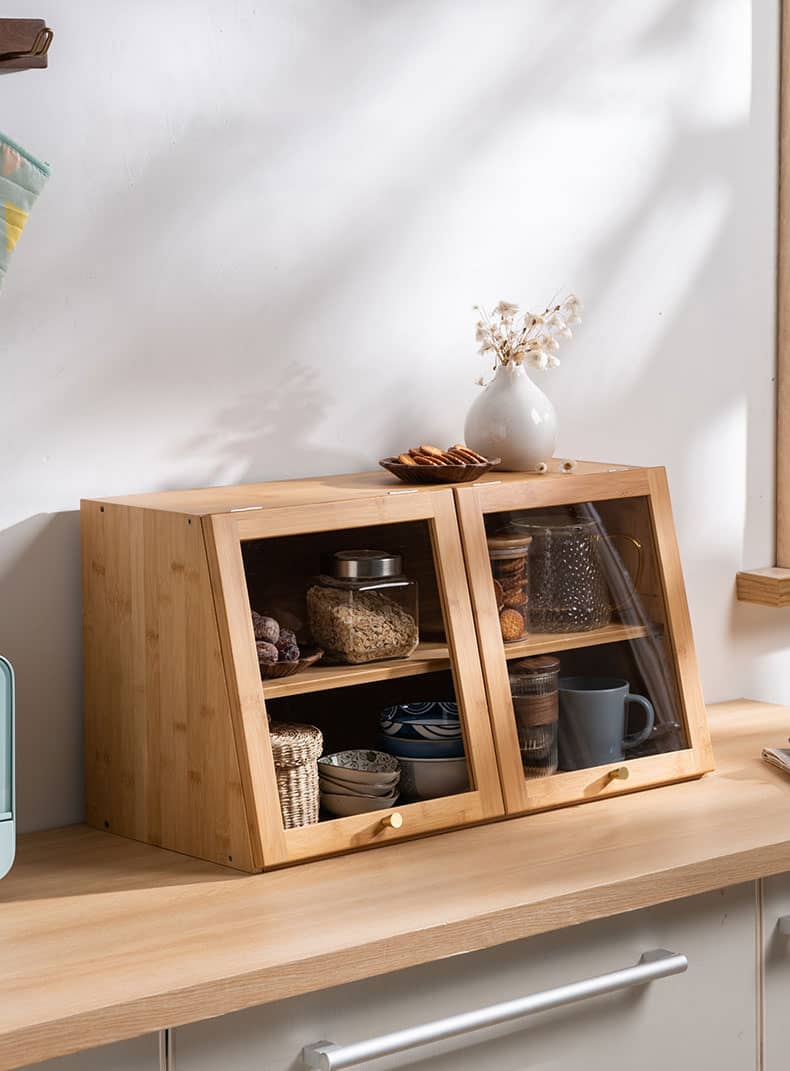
x,y
24,44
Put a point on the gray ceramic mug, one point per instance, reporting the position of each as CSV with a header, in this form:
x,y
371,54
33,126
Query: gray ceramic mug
x,y
593,716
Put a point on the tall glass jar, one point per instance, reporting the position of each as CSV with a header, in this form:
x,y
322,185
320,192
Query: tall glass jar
x,y
534,686
508,555
365,609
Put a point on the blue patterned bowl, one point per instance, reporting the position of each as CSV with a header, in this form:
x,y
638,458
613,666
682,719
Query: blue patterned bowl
x,y
434,721
423,749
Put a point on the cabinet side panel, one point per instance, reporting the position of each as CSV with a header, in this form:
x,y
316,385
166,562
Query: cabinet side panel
x,y
160,762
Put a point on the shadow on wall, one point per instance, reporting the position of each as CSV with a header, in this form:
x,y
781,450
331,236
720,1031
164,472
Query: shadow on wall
x,y
40,632
274,339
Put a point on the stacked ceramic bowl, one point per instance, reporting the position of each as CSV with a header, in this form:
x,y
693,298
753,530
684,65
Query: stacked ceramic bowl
x,y
427,740
352,782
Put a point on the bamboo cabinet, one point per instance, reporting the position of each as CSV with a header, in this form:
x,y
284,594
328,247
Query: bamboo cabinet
x,y
178,747
178,750
643,636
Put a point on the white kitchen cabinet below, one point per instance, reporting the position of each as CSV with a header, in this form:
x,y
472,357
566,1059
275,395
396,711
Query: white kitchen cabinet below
x,y
776,961
703,1018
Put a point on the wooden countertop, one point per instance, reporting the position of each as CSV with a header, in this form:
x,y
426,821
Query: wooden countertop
x,y
104,939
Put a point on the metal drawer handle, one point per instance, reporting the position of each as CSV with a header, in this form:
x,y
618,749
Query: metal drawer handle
x,y
784,925
326,1056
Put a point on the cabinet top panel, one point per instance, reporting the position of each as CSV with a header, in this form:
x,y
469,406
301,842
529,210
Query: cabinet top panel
x,y
142,938
319,489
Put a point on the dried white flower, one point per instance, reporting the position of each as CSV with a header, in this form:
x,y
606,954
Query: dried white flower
x,y
531,338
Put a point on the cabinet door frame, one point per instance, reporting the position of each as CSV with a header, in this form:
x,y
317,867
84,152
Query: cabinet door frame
x,y
533,491
272,844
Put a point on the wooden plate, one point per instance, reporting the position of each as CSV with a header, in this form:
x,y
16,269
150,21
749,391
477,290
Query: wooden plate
x,y
437,473
274,670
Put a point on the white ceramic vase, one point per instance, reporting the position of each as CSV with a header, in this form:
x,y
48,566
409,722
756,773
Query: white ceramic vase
x,y
512,419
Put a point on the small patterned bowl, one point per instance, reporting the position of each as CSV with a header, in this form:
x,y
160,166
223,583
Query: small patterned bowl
x,y
361,766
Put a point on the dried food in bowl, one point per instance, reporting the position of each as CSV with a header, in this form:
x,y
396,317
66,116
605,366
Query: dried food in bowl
x,y
279,669
460,473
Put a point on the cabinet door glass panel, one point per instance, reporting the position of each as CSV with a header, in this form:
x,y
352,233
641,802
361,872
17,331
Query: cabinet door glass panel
x,y
584,628
383,692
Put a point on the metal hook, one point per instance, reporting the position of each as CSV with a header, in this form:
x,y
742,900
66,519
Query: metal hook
x,y
40,46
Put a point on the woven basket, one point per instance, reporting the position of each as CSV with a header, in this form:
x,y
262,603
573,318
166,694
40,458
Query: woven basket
x,y
296,749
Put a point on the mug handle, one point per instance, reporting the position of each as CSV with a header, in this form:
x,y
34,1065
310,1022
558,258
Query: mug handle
x,y
650,715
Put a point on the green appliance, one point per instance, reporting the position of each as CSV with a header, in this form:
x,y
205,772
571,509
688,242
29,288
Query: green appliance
x,y
7,797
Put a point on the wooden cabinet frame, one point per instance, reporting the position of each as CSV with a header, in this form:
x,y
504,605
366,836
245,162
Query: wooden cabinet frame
x,y
271,843
177,747
519,492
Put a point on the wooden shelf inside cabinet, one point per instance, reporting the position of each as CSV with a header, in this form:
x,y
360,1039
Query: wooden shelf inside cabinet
x,y
550,642
428,658
432,657
24,44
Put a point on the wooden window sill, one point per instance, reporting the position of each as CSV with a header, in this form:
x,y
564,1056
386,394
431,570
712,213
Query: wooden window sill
x,y
769,587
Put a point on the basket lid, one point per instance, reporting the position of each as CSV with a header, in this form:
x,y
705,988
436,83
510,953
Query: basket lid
x,y
294,744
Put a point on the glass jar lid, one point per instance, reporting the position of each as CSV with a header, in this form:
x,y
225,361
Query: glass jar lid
x,y
508,545
365,564
561,520
537,664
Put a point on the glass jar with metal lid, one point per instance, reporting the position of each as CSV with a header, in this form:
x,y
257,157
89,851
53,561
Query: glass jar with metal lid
x,y
363,608
534,687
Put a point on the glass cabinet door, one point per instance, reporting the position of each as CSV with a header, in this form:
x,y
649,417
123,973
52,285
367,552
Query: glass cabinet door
x,y
350,631
584,633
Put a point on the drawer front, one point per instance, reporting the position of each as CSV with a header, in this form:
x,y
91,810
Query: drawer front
x,y
776,959
703,1018
139,1054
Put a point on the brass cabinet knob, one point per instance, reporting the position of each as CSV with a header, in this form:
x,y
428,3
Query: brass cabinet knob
x,y
392,821
619,773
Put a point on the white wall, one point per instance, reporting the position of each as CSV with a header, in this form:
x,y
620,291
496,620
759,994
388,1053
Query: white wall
x,y
266,227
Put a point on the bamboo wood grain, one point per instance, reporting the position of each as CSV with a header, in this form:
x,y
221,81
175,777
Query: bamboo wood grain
x,y
317,490
469,503
160,758
245,691
104,938
769,587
